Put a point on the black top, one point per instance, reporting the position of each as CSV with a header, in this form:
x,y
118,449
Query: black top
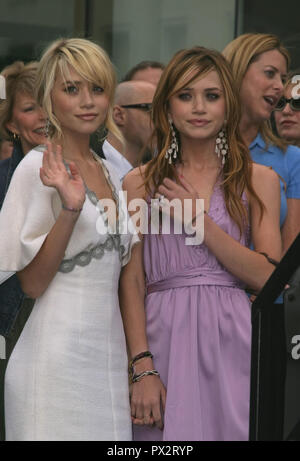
x,y
11,295
7,168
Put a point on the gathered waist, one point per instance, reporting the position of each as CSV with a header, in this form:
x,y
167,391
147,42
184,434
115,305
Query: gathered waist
x,y
194,277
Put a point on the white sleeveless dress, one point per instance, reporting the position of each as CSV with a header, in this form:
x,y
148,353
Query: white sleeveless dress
x,y
67,376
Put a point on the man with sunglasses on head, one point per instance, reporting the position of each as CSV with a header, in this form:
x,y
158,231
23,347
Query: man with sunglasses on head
x,y
132,115
287,111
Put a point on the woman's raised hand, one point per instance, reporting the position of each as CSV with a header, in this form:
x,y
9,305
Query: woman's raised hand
x,y
54,174
171,189
182,191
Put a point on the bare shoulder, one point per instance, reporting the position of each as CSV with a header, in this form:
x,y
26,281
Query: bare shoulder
x,y
264,179
265,182
133,182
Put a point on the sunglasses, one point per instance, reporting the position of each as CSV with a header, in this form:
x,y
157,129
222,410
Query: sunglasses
x,y
145,106
294,103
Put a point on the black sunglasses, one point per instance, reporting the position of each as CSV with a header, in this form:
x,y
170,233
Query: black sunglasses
x,y
146,106
294,103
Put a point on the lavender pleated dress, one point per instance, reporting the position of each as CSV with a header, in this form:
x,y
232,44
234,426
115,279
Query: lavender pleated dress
x,y
199,331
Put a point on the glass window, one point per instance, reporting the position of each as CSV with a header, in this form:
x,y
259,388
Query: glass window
x,y
26,27
275,17
136,30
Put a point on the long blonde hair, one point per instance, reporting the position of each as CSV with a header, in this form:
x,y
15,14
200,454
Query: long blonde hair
x,y
92,64
185,67
241,53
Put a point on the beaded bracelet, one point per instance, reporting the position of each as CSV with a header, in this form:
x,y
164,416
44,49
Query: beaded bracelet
x,y
137,378
135,359
141,355
74,210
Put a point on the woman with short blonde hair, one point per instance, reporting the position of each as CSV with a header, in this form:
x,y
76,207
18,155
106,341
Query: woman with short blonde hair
x,y
67,377
90,61
22,124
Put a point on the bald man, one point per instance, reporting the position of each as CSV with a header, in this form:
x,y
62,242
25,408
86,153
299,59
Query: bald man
x,y
149,71
131,114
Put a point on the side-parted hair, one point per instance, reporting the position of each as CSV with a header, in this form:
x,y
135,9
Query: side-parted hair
x,y
19,78
185,67
241,53
89,60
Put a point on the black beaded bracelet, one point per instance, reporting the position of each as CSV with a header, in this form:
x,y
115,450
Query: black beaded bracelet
x,y
140,356
135,359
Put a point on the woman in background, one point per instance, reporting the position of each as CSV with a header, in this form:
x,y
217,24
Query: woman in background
x,y
287,110
22,120
259,64
22,126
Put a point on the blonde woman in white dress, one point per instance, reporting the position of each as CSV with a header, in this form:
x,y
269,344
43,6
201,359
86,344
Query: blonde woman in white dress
x,y
67,376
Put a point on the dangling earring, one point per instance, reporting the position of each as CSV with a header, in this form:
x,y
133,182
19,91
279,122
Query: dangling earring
x,y
16,136
173,148
222,145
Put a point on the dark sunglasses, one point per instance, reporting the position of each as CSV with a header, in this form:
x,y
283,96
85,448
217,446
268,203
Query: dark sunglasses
x,y
294,103
146,106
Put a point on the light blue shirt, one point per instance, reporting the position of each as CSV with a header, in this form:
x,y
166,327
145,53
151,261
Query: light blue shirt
x,y
286,164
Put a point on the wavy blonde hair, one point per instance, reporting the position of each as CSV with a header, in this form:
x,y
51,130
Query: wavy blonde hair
x,y
19,78
184,68
241,53
90,61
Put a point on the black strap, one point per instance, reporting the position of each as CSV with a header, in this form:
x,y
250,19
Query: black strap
x,y
271,261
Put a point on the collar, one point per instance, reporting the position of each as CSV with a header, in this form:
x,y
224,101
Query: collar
x,y
258,141
116,159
